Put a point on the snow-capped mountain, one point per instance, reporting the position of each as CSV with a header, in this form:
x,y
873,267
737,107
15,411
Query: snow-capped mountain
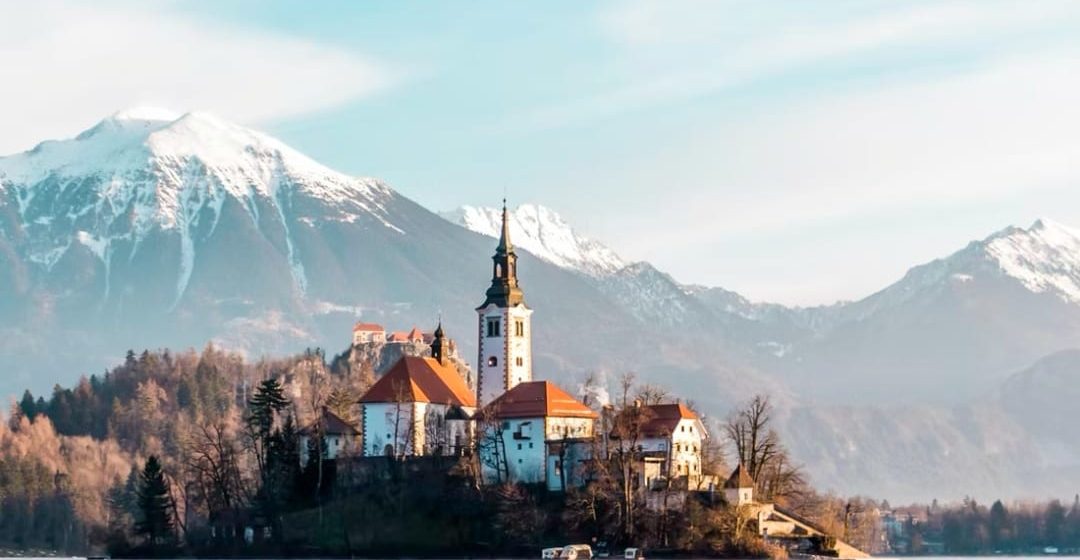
x,y
157,229
951,327
147,171
544,233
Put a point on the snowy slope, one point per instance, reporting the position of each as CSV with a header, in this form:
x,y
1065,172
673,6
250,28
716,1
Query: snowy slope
x,y
544,233
146,170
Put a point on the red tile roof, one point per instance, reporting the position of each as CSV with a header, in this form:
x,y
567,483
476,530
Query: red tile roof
x,y
334,425
398,336
536,399
739,479
368,327
661,420
415,334
420,380
664,418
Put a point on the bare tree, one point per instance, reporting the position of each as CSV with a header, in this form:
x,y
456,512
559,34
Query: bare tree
x,y
212,457
491,443
759,450
628,422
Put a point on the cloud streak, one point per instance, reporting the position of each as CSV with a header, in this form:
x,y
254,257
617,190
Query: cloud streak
x,y
679,50
70,63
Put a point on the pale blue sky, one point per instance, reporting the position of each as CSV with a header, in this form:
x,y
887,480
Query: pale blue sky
x,y
793,151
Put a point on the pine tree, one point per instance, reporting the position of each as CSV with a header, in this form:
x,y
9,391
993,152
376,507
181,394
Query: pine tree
x,y
154,504
28,405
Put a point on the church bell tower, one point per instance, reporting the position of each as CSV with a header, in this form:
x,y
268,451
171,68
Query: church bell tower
x,y
505,331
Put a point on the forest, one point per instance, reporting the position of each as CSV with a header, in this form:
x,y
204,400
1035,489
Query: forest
x,y
199,453
971,528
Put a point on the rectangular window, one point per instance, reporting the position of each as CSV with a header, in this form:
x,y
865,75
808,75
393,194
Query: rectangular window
x,y
520,361
492,327
519,447
519,328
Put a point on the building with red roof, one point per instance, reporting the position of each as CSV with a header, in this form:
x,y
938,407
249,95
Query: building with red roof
x,y
536,433
670,437
367,333
338,435
420,406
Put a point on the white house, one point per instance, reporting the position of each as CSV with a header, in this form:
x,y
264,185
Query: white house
x,y
421,406
339,437
535,433
367,333
505,345
739,488
669,440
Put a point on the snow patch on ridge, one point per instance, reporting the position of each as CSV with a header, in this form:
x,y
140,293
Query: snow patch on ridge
x,y
544,233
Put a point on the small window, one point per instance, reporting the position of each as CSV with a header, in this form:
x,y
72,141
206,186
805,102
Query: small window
x,y
519,327
683,428
520,361
519,447
493,327
493,361
530,445
519,461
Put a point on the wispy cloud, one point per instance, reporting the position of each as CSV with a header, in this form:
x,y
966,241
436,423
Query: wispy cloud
x,y
67,62
678,50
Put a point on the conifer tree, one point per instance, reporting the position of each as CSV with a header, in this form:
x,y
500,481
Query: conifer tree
x,y
268,400
28,405
155,522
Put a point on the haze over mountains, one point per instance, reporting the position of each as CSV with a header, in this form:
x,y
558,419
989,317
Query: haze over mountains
x,y
153,229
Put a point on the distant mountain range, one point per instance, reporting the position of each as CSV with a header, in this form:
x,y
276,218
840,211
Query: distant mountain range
x,y
153,229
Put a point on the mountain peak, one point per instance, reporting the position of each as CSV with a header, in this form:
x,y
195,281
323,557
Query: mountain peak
x,y
544,233
145,113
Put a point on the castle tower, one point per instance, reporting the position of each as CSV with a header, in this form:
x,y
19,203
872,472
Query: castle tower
x,y
505,332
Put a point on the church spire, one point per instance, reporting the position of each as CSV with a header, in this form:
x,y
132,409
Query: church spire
x,y
505,247
504,290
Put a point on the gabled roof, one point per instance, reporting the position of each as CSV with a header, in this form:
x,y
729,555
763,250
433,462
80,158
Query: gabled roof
x,y
415,379
398,336
415,334
739,479
664,418
368,327
333,425
537,399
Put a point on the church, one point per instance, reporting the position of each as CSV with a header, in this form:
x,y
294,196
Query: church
x,y
522,429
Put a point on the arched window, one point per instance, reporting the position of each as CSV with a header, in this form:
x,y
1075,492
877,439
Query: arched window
x,y
498,270
493,361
